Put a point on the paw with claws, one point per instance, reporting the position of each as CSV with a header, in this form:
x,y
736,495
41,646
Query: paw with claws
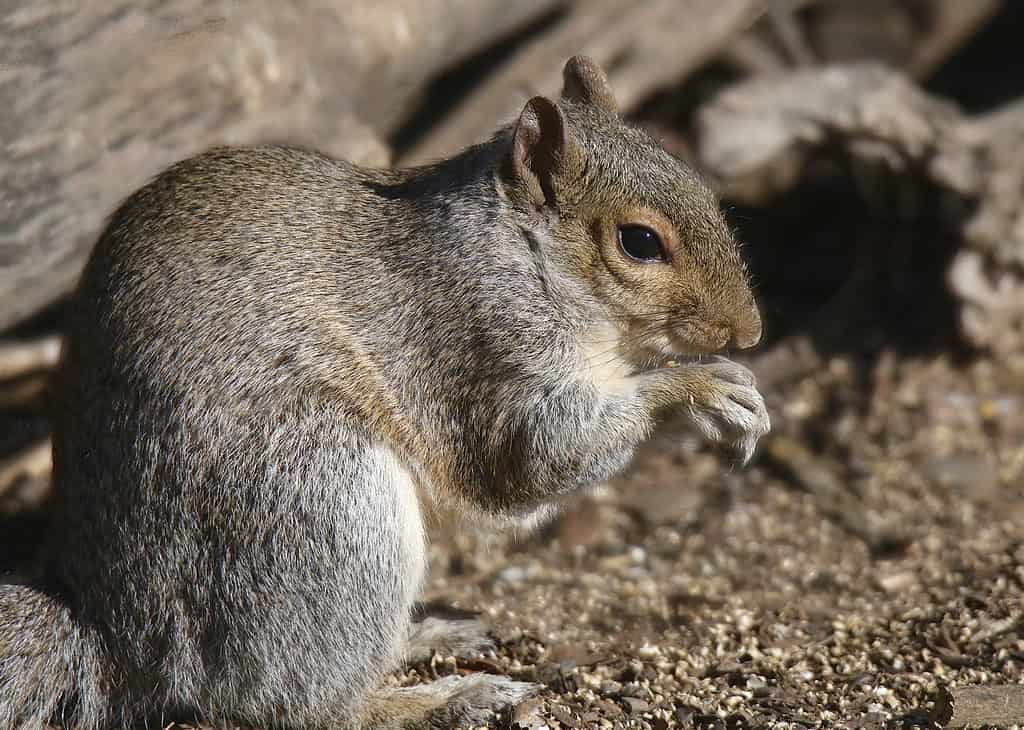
x,y
721,399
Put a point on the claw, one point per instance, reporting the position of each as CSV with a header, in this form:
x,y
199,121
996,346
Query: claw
x,y
734,412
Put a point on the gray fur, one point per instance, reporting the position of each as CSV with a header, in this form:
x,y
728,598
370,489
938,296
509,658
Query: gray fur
x,y
431,635
279,363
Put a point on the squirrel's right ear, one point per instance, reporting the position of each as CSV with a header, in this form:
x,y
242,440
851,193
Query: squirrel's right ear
x,y
540,147
585,82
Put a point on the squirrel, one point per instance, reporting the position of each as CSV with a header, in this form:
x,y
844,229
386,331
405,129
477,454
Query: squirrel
x,y
279,367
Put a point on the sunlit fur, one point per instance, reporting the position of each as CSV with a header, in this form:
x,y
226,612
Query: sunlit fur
x,y
279,364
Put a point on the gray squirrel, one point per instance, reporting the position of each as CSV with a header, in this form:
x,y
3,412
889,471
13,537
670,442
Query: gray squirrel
x,y
279,367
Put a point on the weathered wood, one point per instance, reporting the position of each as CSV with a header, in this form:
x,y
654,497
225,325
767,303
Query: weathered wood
x,y
643,47
953,23
913,37
98,97
21,358
756,130
34,463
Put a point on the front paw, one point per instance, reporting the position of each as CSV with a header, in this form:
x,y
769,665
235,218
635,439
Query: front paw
x,y
726,406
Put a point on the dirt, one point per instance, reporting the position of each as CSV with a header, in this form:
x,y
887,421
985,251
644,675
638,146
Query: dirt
x,y
692,593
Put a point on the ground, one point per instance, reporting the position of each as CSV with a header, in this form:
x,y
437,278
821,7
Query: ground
x,y
865,570
693,593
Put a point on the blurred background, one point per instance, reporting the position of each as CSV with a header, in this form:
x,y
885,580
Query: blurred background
x,y
866,569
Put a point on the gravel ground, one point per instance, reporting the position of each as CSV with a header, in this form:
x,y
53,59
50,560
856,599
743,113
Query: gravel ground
x,y
861,579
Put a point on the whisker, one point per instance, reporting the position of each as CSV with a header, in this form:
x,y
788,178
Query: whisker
x,y
605,357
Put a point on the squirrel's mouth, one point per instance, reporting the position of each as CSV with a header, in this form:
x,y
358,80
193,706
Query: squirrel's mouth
x,y
667,348
670,358
683,360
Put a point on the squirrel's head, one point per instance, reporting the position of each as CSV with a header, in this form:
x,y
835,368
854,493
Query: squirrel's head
x,y
638,226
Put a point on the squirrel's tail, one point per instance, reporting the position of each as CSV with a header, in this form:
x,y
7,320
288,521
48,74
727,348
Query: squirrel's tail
x,y
50,667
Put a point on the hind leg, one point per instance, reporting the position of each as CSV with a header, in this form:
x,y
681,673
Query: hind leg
x,y
450,702
338,573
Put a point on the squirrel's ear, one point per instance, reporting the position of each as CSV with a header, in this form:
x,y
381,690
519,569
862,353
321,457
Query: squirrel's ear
x,y
539,148
586,83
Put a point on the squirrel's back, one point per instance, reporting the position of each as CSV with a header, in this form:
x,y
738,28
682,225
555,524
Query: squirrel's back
x,y
255,264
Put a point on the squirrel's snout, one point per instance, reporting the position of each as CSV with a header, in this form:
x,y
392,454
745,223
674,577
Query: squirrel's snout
x,y
738,333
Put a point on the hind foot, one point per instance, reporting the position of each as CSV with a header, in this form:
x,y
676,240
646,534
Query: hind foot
x,y
450,702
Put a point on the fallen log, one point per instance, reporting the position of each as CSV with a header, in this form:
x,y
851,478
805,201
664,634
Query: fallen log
x,y
643,47
98,97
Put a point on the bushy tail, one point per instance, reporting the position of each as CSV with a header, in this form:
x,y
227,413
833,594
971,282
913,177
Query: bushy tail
x,y
50,668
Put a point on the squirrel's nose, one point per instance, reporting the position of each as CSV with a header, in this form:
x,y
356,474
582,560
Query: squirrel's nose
x,y
746,331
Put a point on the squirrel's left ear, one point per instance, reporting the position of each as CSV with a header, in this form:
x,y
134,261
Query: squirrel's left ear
x,y
540,149
586,83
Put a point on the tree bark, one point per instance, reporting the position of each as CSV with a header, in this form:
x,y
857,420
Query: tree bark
x,y
99,97
643,47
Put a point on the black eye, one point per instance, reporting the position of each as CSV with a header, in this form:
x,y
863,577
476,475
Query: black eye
x,y
641,244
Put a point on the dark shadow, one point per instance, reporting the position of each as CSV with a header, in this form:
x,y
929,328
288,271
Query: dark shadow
x,y
453,84
984,74
21,538
856,260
